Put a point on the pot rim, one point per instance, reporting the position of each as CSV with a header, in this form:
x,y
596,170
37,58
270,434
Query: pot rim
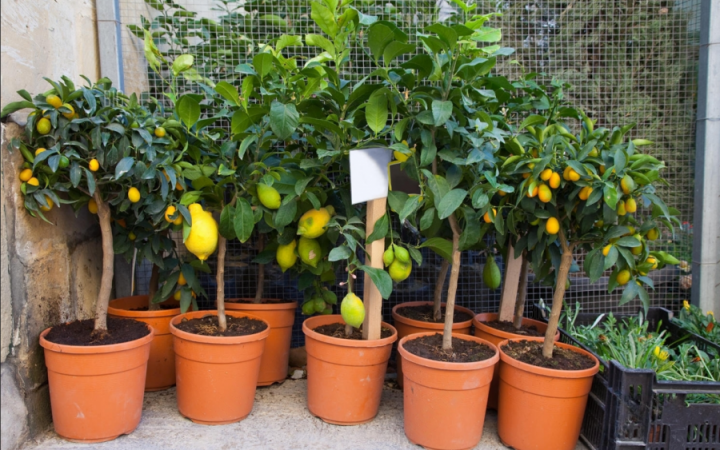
x,y
443,365
230,304
504,334
220,340
309,331
115,311
420,324
555,373
96,349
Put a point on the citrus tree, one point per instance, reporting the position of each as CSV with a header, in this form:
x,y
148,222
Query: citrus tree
x,y
94,147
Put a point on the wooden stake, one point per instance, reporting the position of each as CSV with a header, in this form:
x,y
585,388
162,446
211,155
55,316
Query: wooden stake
x,y
513,267
373,258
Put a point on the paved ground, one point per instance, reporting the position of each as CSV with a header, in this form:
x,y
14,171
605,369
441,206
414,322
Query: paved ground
x,y
279,421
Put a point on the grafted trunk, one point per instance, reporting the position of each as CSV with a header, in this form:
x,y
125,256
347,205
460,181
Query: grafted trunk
x,y
452,287
559,295
153,288
351,283
439,285
103,298
522,293
220,280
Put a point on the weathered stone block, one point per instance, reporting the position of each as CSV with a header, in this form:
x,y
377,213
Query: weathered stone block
x,y
13,415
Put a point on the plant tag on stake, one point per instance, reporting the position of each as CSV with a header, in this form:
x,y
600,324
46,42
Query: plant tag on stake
x,y
369,174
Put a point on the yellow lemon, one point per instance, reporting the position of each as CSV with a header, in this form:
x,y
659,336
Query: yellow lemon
x,y
33,181
399,271
92,206
630,205
546,174
286,256
93,165
627,184
44,126
134,195
181,279
203,238
160,132
621,209
544,193
352,310
623,277
653,261
313,223
39,150
310,251
69,115
554,180
552,226
54,101
269,196
25,175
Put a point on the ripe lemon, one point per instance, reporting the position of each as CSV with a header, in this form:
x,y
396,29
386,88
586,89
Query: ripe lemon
x,y
585,192
388,256
39,150
653,234
546,174
44,126
269,196
621,209
54,101
630,205
92,206
69,115
399,271
181,279
203,238
491,274
526,175
554,180
169,212
487,218
93,165
310,251
627,184
544,193
49,202
313,223
552,226
352,310
160,132
286,256
134,195
25,175
623,277
33,181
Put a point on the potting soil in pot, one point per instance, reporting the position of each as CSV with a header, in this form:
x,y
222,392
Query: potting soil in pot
x,y
79,332
208,326
337,330
424,313
508,327
463,351
264,301
530,352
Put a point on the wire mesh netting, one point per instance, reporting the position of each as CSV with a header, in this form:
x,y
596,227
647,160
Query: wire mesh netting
x,y
628,61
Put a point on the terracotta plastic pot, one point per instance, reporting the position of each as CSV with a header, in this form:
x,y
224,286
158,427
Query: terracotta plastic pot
x,y
161,365
542,409
96,392
345,377
445,403
281,317
496,336
216,375
406,327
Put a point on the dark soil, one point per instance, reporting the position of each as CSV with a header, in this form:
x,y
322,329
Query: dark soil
x,y
424,313
530,352
80,332
162,307
264,301
337,330
508,327
430,347
208,326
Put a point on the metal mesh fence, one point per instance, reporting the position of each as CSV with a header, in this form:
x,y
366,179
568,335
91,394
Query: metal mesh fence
x,y
629,61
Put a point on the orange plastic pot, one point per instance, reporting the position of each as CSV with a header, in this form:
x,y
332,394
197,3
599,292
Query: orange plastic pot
x,y
542,409
445,403
406,327
161,365
496,336
216,375
281,317
96,392
345,377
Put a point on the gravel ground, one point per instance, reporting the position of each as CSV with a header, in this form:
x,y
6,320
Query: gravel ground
x,y
279,420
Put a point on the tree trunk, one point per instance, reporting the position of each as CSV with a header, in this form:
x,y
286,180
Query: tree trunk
x,y
261,271
103,298
522,293
350,283
558,296
439,285
452,287
153,288
220,280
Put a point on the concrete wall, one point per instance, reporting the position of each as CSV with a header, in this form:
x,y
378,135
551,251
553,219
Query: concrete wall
x,y
49,273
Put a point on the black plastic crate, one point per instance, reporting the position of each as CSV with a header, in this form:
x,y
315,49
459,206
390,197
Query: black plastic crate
x,y
630,409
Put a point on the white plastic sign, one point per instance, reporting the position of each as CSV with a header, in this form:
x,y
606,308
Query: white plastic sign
x,y
369,174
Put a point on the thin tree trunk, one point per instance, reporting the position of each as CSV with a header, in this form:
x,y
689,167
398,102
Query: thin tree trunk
x,y
522,293
220,280
351,283
261,271
103,298
153,288
559,295
439,285
452,287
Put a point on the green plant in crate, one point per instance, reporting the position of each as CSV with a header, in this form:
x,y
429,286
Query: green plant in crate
x,y
94,147
692,319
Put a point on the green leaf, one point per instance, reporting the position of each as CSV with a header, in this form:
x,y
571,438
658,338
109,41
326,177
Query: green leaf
x,y
286,214
486,34
395,49
124,166
380,230
339,253
244,221
188,109
15,106
379,36
441,246
182,63
376,111
446,34
228,91
631,291
262,63
227,227
532,120
423,64
324,19
286,40
479,199
450,202
320,123
381,279
610,196
317,40
273,20
284,119
628,241
441,110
